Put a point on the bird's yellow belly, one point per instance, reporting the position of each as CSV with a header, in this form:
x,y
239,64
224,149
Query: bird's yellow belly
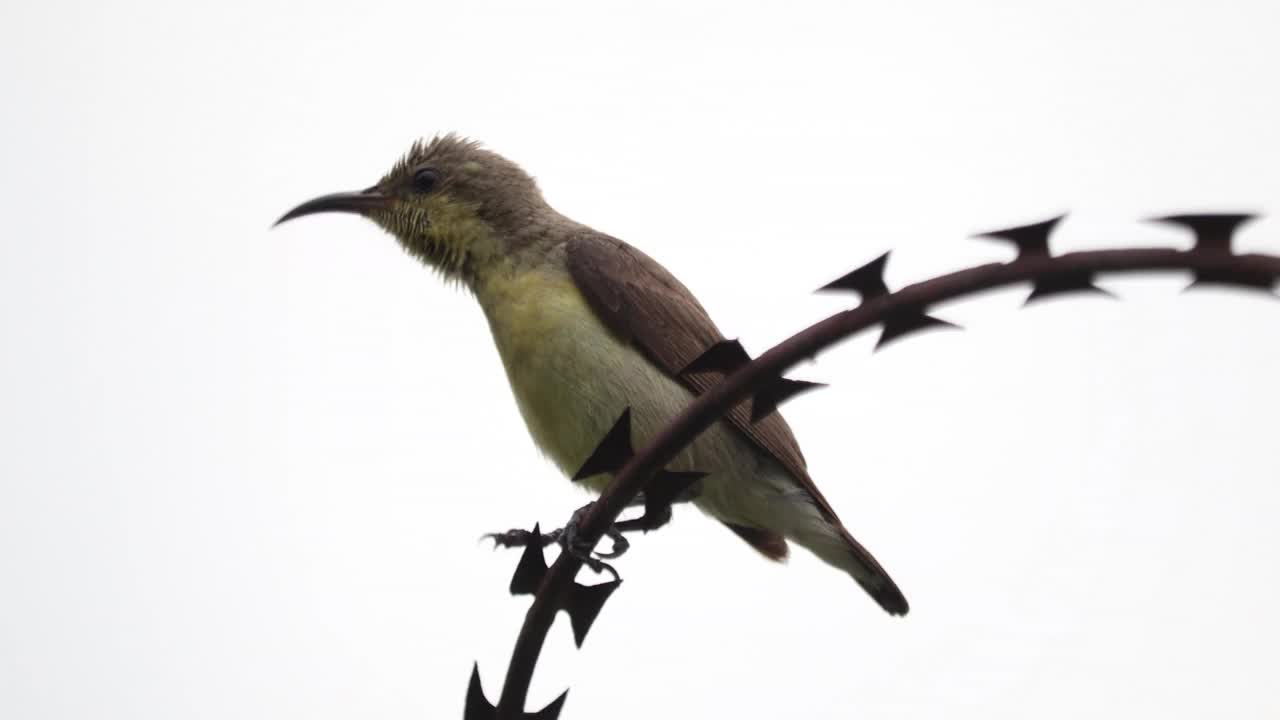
x,y
572,378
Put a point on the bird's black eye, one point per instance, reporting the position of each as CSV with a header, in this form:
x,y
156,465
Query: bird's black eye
x,y
425,180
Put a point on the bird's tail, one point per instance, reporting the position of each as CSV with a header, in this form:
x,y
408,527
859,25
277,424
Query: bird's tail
x,y
867,571
832,543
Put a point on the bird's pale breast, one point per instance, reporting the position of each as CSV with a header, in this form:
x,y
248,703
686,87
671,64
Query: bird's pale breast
x,y
572,378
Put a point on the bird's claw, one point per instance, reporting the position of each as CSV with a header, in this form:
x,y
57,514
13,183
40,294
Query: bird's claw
x,y
575,546
620,544
521,538
569,541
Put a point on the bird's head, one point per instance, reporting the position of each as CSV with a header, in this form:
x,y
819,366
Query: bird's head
x,y
450,202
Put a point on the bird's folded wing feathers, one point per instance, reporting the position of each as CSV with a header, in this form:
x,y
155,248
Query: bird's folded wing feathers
x,y
644,304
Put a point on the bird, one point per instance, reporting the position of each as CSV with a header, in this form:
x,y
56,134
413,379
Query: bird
x,y
587,326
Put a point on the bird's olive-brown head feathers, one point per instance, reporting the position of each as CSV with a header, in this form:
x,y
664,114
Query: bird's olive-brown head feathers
x,y
449,202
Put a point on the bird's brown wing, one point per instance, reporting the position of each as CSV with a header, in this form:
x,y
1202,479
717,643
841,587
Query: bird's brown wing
x,y
645,305
642,303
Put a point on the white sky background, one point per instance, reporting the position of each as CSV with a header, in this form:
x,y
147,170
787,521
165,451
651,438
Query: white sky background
x,y
243,471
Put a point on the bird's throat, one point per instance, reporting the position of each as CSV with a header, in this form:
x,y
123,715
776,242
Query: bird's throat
x,y
449,236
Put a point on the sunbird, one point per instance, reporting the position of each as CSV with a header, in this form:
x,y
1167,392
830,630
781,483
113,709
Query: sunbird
x,y
587,326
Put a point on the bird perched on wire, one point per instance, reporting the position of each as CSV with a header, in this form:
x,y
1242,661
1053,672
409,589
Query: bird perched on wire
x,y
586,326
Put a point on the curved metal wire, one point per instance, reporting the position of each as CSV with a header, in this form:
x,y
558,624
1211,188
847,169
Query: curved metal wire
x,y
1210,261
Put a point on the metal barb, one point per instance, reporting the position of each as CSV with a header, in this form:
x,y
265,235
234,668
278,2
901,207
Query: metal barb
x,y
1260,280
1031,240
583,605
1213,231
1049,287
668,486
478,706
725,356
867,281
613,451
906,322
551,711
531,568
768,398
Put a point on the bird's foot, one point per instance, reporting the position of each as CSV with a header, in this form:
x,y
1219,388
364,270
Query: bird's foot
x,y
569,541
576,546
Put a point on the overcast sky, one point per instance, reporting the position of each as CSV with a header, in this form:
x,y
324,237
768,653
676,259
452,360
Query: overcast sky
x,y
244,471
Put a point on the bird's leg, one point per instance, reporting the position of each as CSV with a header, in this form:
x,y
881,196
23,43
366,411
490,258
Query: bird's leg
x,y
571,543
664,491
654,517
657,512
676,487
567,538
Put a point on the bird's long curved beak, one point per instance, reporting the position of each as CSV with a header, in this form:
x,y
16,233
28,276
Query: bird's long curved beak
x,y
361,203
